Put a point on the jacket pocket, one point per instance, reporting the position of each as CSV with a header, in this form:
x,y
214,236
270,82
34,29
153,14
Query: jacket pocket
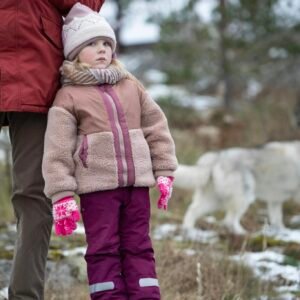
x,y
52,32
142,158
83,152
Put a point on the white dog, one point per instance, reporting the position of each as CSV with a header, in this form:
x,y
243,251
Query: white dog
x,y
232,179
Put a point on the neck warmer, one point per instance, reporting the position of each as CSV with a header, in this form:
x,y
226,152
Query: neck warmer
x,y
72,75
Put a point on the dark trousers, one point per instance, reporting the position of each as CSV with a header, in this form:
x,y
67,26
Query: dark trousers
x,y
32,209
120,259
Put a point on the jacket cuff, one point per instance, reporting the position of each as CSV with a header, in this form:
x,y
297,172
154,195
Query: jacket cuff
x,y
163,173
62,195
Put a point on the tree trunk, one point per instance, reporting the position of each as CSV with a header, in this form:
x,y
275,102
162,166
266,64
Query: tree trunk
x,y
224,61
119,17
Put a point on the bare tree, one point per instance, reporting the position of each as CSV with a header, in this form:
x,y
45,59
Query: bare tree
x,y
224,61
122,6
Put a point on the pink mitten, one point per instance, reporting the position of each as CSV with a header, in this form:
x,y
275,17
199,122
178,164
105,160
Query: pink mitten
x,y
65,216
165,186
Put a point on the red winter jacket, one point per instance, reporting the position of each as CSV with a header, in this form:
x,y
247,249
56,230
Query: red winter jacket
x,y
31,51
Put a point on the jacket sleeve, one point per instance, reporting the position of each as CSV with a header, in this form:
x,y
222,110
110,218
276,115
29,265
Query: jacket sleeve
x,y
64,6
58,166
158,136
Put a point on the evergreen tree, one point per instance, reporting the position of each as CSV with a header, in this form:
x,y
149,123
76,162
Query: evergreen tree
x,y
245,39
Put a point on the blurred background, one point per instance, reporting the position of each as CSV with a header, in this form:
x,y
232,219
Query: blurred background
x,y
226,73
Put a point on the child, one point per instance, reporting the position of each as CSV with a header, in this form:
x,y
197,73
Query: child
x,y
107,141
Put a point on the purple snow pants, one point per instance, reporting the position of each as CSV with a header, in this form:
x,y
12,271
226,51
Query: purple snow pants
x,y
120,260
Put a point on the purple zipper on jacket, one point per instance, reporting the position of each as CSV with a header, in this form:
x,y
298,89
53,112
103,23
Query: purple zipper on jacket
x,y
126,172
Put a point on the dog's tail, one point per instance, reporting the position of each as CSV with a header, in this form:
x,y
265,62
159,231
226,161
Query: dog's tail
x,y
198,175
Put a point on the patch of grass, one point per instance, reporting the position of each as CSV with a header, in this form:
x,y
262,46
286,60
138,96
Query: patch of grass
x,y
188,147
268,119
55,255
296,294
67,242
292,251
291,261
291,208
179,116
78,292
255,217
221,277
6,211
260,243
5,254
176,208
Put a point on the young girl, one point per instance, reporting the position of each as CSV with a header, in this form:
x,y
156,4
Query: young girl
x,y
108,142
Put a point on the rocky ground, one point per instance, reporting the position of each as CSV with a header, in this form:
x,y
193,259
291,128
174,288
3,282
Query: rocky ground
x,y
272,257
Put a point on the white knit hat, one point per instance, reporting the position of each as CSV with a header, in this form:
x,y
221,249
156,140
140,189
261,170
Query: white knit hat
x,y
81,26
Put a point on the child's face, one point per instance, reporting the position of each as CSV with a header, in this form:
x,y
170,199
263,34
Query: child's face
x,y
98,54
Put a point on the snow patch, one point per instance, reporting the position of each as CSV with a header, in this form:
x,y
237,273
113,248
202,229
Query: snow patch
x,y
155,76
189,252
75,251
285,235
164,231
183,97
176,233
198,235
12,227
4,294
253,88
79,229
277,53
269,266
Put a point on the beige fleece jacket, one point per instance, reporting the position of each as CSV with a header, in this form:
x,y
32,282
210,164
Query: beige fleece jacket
x,y
104,137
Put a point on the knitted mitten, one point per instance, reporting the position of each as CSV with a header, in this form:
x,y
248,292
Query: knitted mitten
x,y
65,216
165,186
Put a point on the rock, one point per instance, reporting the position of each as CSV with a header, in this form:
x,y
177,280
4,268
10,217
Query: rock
x,y
5,268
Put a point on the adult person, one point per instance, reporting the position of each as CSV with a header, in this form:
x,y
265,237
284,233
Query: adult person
x,y
30,56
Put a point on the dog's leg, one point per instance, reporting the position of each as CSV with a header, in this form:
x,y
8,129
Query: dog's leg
x,y
232,221
238,200
275,214
199,207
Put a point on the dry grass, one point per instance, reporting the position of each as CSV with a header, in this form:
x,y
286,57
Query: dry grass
x,y
221,279
6,211
77,292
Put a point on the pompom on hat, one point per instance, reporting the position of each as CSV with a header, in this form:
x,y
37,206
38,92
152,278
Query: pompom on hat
x,y
83,25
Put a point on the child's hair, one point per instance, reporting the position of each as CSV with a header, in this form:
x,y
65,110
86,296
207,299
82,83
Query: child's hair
x,y
115,62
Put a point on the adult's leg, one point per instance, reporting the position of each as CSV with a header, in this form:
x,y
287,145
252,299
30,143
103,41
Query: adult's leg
x,y
32,208
3,119
138,263
100,213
